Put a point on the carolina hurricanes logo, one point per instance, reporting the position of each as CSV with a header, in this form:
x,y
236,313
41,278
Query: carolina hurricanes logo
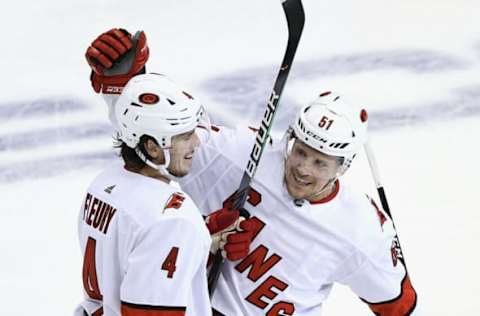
x,y
381,217
148,98
175,201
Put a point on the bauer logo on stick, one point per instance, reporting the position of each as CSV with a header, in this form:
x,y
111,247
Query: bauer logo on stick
x,y
262,134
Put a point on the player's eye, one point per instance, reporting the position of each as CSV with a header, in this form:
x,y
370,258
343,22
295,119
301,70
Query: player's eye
x,y
301,152
320,163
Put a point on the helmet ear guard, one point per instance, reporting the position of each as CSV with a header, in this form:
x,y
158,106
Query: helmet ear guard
x,y
289,139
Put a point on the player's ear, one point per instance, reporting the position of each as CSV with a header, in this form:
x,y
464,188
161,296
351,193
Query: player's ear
x,y
152,149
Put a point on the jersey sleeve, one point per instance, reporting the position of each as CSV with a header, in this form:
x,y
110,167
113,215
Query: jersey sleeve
x,y
110,100
161,268
233,144
226,151
380,277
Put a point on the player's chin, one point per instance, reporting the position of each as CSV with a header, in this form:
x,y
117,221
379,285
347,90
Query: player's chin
x,y
183,169
299,194
298,191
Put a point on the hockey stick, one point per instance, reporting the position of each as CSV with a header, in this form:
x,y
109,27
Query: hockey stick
x,y
295,19
376,177
381,193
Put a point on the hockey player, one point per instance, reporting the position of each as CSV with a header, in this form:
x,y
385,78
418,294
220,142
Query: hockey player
x,y
144,242
311,229
308,230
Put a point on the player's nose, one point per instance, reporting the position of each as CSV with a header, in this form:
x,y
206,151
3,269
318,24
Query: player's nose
x,y
301,169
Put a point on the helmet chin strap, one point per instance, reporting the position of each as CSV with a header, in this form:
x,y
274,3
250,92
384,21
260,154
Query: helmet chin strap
x,y
300,202
162,168
289,140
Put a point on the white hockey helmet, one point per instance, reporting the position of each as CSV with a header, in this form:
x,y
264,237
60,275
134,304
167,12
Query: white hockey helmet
x,y
151,104
332,127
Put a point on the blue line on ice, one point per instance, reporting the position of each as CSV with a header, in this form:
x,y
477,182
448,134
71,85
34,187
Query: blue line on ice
x,y
247,88
41,107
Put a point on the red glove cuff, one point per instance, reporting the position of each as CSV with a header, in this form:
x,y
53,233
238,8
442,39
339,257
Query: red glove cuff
x,y
109,85
221,219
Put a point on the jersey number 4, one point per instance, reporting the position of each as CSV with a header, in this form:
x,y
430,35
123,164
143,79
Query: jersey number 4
x,y
90,280
170,262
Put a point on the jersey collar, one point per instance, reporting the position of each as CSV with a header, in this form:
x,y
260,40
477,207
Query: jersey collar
x,y
329,197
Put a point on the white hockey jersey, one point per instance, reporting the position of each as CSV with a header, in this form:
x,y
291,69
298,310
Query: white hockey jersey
x,y
145,248
298,252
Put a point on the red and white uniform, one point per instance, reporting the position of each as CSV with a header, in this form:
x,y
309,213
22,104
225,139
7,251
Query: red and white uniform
x,y
298,253
145,248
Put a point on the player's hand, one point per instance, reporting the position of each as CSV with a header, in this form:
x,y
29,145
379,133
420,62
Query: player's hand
x,y
219,222
115,57
230,232
235,245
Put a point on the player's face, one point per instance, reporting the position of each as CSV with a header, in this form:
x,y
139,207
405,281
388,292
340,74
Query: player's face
x,y
307,171
181,153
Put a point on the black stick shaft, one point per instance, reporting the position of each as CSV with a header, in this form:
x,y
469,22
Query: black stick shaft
x,y
295,19
376,177
383,200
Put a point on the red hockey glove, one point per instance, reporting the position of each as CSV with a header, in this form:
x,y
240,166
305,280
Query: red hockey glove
x,y
219,222
235,245
115,57
231,233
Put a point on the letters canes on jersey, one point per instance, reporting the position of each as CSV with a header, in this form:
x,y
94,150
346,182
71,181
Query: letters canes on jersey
x,y
295,19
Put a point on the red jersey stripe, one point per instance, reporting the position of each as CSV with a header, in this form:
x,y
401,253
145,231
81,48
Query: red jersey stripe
x,y
329,197
403,305
130,309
